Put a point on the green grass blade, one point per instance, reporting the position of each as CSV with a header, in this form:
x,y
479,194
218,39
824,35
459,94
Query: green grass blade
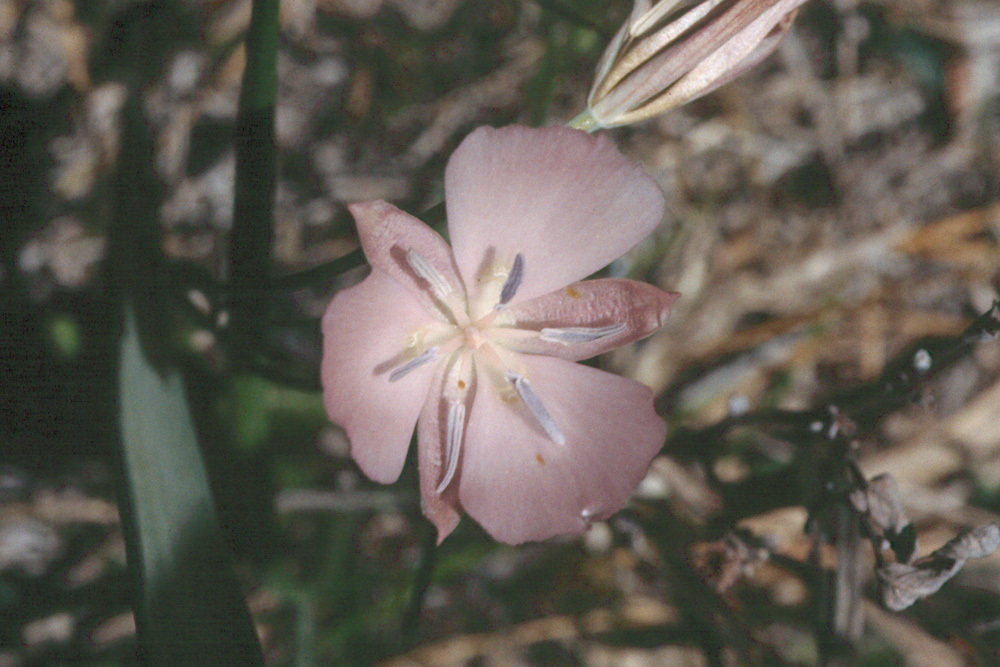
x,y
188,606
256,174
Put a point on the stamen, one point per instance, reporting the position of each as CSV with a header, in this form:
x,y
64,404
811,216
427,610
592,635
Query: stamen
x,y
415,362
513,280
534,403
455,430
570,335
425,270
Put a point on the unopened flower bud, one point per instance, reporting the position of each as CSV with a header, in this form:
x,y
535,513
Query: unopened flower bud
x,y
670,52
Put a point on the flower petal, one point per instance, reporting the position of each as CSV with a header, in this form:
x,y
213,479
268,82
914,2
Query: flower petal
x,y
439,508
569,201
520,485
366,332
412,253
583,320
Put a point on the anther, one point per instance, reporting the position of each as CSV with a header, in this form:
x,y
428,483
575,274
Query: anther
x,y
455,429
534,403
425,270
417,361
570,335
513,281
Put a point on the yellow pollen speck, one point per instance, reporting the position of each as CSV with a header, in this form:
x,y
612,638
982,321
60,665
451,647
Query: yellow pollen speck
x,y
496,272
506,393
572,292
461,384
540,460
415,340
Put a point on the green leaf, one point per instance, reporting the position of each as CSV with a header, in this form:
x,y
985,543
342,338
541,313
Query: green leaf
x,y
188,606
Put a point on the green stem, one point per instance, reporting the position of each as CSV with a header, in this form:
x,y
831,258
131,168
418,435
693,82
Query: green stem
x,y
256,174
260,78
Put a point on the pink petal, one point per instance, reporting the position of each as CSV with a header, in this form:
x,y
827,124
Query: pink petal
x,y
520,485
626,310
569,201
365,329
440,509
387,234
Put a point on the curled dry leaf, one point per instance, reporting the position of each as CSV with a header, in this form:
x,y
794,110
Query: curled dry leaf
x,y
885,510
884,505
903,584
879,504
979,542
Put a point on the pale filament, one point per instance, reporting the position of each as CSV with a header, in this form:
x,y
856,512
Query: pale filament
x,y
451,308
534,404
456,391
416,362
570,335
455,430
425,270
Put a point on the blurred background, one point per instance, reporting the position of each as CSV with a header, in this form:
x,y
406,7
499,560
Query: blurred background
x,y
833,227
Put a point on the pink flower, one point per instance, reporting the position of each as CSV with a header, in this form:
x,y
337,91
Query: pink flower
x,y
474,345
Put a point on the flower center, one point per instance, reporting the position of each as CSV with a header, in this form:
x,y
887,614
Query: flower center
x,y
474,337
467,349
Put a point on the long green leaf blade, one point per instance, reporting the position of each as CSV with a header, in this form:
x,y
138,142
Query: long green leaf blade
x,y
188,605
